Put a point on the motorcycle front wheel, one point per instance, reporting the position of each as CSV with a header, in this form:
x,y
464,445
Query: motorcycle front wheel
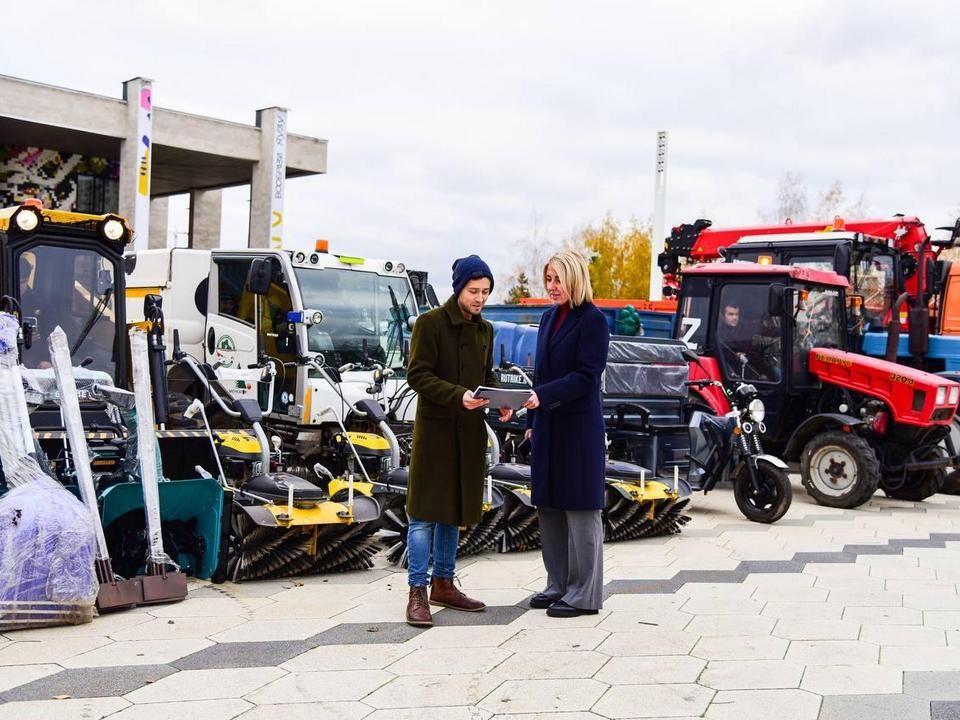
x,y
773,497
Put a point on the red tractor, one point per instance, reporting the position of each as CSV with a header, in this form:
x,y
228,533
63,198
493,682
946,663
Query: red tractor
x,y
852,423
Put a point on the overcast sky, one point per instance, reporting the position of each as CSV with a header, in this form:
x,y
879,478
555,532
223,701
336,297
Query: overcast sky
x,y
452,125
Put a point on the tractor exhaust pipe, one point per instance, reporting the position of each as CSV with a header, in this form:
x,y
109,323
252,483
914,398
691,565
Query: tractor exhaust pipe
x,y
893,331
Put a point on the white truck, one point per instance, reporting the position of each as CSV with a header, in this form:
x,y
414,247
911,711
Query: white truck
x,y
310,334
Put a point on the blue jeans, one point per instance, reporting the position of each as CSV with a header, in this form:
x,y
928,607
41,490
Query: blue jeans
x,y
420,537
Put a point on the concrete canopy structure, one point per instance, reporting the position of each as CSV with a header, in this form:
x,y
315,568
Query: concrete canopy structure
x,y
187,153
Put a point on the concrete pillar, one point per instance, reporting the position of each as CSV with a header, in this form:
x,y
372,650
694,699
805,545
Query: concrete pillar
x,y
136,159
267,183
159,216
206,210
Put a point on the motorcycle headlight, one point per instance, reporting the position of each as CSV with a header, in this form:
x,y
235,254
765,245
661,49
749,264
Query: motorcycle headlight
x,y
755,410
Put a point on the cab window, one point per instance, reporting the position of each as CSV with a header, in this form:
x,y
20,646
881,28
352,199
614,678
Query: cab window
x,y
695,312
234,300
817,324
747,338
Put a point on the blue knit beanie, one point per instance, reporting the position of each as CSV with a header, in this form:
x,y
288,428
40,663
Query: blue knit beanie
x,y
467,269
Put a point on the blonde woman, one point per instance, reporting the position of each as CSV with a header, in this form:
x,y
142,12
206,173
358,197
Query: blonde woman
x,y
566,431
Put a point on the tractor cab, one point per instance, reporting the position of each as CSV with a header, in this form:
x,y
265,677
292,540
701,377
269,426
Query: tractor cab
x,y
757,324
62,268
67,269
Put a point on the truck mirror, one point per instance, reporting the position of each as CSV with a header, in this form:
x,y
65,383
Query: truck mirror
x,y
258,279
152,306
777,300
908,265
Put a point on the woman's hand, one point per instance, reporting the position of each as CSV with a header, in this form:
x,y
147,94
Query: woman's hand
x,y
506,413
532,402
528,435
472,403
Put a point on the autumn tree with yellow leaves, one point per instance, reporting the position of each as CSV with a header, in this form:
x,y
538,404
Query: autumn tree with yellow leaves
x,y
619,258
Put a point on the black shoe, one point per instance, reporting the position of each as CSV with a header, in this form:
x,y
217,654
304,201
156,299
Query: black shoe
x,y
541,601
563,610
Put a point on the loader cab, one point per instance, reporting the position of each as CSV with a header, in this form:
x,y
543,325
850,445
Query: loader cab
x,y
66,269
873,268
757,324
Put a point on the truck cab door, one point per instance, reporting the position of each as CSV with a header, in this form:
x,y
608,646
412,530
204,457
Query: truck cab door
x,y
231,333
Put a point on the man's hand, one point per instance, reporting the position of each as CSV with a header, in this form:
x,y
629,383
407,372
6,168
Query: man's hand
x,y
506,413
532,402
472,403
528,435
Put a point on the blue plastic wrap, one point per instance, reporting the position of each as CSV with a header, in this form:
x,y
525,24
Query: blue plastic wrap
x,y
47,536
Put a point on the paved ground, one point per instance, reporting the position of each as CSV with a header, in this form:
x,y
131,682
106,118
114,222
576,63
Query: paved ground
x,y
828,614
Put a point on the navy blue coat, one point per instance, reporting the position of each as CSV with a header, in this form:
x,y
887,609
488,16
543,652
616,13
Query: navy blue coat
x,y
568,450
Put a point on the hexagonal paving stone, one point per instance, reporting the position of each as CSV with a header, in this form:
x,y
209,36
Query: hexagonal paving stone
x,y
651,701
815,629
321,686
903,635
653,642
449,661
833,652
718,625
751,674
656,670
85,708
883,615
874,707
921,658
543,696
852,680
205,684
420,691
551,665
435,713
348,657
189,710
558,638
932,685
740,648
763,705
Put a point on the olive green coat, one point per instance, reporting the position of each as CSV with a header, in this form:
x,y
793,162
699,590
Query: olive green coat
x,y
448,356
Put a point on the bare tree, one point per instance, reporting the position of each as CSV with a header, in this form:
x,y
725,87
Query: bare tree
x,y
791,203
531,253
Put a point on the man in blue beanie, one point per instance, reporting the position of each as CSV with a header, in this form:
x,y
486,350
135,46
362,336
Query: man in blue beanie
x,y
451,353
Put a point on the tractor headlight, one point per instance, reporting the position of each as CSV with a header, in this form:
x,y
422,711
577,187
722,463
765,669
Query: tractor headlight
x,y
113,229
941,395
953,395
755,410
28,218
401,267
316,318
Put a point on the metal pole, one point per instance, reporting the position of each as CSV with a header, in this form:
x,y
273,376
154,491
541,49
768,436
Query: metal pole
x,y
659,215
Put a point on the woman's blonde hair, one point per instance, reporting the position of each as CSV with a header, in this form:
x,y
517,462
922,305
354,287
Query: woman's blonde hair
x,y
573,272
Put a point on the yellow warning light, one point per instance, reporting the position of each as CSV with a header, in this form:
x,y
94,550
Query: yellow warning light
x,y
322,246
765,260
839,223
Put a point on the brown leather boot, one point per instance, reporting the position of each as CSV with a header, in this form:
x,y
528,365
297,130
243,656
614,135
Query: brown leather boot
x,y
418,609
442,592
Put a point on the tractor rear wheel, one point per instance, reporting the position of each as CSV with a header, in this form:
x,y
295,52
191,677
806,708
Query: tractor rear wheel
x,y
921,484
840,469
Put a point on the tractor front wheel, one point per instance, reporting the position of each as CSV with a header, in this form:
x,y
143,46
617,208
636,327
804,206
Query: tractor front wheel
x,y
840,469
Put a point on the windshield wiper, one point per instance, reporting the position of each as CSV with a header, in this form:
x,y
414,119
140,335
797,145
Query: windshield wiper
x,y
97,312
